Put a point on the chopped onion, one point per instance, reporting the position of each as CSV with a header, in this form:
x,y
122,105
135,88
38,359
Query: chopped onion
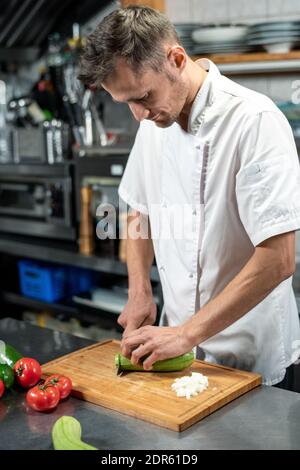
x,y
190,385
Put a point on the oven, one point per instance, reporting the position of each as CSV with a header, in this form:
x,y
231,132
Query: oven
x,y
37,202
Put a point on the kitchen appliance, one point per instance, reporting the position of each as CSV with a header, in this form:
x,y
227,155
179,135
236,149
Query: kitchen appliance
x,y
29,145
92,122
148,395
101,173
36,203
104,194
5,138
57,139
34,139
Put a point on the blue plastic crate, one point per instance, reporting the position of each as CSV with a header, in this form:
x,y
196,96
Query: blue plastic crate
x,y
41,281
79,280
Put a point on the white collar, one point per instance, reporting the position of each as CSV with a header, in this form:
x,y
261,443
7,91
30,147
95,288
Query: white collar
x,y
204,97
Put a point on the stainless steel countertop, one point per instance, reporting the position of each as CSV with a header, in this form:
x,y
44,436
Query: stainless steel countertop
x,y
265,418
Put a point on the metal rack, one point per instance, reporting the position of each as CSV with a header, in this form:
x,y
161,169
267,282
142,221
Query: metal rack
x,y
257,63
66,254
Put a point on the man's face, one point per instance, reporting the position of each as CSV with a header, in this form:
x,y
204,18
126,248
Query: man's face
x,y
157,96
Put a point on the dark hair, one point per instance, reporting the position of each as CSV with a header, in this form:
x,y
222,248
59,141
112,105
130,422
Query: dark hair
x,y
134,33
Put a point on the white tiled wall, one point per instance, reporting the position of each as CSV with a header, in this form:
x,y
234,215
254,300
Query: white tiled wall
x,y
277,87
179,11
216,11
248,11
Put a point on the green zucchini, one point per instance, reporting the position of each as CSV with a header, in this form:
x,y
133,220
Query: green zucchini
x,y
8,354
167,365
66,435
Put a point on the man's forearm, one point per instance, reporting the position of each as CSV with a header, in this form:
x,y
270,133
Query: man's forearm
x,y
263,272
272,262
140,255
140,309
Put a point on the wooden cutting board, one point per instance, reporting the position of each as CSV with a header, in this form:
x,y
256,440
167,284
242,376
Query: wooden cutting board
x,y
148,395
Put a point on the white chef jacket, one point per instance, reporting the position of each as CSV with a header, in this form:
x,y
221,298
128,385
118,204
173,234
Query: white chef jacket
x,y
236,173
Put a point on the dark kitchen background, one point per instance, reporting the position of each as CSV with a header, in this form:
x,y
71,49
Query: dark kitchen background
x,y
63,149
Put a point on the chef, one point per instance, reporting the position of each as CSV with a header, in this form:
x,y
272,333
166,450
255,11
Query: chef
x,y
218,161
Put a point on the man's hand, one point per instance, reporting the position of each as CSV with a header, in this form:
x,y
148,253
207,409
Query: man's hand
x,y
140,310
157,343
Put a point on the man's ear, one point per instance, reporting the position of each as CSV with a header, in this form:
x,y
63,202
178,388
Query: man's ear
x,y
177,58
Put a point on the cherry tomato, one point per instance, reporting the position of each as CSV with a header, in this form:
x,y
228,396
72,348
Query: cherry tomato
x,y
28,372
2,388
63,383
43,397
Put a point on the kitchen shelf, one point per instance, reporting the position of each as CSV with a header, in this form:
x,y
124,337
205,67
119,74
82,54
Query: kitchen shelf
x,y
64,254
58,308
58,169
256,62
67,309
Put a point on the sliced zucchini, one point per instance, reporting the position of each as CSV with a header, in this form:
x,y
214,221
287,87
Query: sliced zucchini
x,y
66,435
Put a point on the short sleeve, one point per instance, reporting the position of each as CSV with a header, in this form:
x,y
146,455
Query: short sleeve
x,y
132,186
268,180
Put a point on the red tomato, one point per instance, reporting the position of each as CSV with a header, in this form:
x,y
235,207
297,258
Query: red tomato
x,y
43,397
63,383
2,388
28,372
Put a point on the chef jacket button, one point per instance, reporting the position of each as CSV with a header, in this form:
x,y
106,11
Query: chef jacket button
x,y
164,204
194,212
191,275
162,268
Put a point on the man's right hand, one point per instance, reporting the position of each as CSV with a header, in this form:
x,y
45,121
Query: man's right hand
x,y
140,310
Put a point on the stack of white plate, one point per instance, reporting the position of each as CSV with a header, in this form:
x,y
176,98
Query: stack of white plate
x,y
220,39
279,36
184,31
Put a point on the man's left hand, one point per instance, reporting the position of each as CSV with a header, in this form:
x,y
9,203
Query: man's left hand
x,y
157,343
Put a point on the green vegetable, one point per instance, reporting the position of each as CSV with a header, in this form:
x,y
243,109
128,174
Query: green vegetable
x,y
66,435
7,375
8,354
167,365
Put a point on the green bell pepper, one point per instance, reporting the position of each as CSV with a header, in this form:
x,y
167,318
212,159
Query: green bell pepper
x,y
8,354
7,375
